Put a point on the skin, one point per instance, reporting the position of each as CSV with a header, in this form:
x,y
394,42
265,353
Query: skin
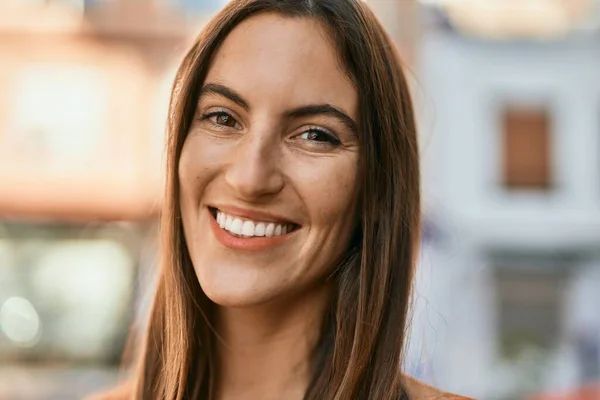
x,y
258,157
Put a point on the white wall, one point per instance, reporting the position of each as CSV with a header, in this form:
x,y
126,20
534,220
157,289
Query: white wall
x,y
465,84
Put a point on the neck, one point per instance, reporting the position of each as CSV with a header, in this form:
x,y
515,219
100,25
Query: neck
x,y
266,351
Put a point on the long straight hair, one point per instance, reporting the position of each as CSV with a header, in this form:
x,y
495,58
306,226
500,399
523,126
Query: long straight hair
x,y
360,351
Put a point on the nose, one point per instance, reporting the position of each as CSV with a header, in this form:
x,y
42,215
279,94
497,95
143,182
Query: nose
x,y
255,173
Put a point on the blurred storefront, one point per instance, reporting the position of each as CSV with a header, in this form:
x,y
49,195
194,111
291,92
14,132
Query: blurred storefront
x,y
83,99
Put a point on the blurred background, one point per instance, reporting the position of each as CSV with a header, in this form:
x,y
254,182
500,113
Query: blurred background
x,y
508,97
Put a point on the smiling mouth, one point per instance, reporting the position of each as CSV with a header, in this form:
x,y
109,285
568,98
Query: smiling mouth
x,y
246,228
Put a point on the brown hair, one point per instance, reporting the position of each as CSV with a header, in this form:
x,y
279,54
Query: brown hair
x,y
360,352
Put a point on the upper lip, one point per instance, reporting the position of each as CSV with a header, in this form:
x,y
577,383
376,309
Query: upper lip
x,y
255,215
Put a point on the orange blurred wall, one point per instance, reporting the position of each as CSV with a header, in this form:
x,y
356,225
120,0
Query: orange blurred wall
x,y
82,106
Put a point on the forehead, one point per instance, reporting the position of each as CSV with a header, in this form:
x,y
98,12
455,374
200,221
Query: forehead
x,y
290,61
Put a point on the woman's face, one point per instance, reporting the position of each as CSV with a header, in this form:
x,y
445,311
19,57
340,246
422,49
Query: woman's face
x,y
268,171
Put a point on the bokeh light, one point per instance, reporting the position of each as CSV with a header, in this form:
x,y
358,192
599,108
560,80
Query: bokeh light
x,y
20,321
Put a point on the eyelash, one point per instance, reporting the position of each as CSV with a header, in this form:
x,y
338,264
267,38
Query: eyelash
x,y
332,140
208,116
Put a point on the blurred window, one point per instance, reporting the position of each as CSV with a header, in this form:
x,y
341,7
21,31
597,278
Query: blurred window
x,y
530,292
527,149
60,112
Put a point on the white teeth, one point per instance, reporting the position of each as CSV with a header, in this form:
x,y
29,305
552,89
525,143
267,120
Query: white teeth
x,y
236,226
259,229
246,228
269,230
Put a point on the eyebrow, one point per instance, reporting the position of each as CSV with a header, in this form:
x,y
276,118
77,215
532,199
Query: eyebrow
x,y
303,111
323,109
215,88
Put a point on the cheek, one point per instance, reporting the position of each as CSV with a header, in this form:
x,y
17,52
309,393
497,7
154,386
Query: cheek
x,y
330,194
198,162
187,174
194,176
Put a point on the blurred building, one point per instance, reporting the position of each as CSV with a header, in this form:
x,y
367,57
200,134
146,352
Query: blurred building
x,y
526,18
401,20
80,119
510,286
84,89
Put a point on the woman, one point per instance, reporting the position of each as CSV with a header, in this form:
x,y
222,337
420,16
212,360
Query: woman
x,y
292,212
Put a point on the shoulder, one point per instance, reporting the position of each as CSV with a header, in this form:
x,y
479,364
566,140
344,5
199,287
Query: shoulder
x,y
417,390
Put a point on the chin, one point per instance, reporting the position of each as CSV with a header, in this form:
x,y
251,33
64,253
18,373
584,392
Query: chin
x,y
238,290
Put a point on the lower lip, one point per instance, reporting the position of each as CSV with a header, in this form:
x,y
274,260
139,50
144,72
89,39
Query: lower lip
x,y
241,243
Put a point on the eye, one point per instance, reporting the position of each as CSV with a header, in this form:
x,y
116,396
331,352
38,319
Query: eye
x,y
222,119
320,136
